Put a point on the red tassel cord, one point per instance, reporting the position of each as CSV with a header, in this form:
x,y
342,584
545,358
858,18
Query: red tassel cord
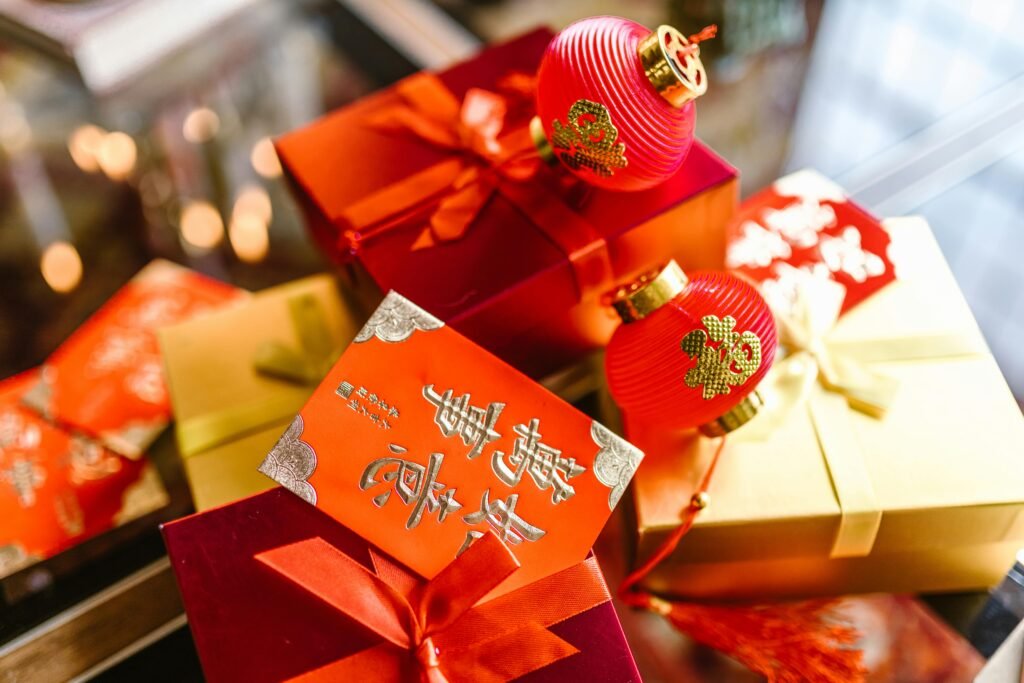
x,y
799,642
706,33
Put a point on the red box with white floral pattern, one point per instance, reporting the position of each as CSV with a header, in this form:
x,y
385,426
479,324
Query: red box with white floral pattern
x,y
806,222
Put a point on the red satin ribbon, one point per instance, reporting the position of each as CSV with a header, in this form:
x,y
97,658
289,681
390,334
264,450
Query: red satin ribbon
x,y
433,627
484,160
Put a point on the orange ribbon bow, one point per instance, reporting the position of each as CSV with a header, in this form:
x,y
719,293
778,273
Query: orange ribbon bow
x,y
485,160
433,626
483,157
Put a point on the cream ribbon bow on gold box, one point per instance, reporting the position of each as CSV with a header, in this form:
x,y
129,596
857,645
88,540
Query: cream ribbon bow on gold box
x,y
806,309
317,350
831,377
302,365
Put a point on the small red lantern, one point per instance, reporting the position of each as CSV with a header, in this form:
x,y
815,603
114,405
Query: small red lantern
x,y
615,101
691,351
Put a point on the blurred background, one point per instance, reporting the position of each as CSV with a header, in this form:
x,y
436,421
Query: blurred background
x,y
131,129
134,128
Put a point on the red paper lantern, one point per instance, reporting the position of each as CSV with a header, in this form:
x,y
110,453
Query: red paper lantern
x,y
691,351
615,101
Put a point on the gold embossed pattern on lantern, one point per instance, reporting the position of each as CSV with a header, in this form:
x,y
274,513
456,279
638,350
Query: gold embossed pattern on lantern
x,y
724,365
588,139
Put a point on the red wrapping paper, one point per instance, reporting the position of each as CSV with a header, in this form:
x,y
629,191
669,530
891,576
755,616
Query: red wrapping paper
x,y
251,624
106,380
58,489
511,285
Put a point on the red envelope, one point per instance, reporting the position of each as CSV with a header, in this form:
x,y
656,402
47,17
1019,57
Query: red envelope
x,y
107,378
420,441
59,489
805,221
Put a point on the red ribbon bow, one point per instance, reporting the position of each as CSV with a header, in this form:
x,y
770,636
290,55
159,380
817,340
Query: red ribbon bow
x,y
483,157
433,626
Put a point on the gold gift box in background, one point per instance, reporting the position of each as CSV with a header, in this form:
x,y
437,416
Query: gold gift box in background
x,y
832,501
230,403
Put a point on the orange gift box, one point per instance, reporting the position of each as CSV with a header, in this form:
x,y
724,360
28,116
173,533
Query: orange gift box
x,y
421,442
107,378
517,261
58,489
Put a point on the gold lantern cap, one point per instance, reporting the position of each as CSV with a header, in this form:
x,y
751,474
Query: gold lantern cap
x,y
671,62
649,292
739,415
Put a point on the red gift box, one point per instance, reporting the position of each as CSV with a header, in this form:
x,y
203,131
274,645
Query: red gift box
x,y
272,585
406,187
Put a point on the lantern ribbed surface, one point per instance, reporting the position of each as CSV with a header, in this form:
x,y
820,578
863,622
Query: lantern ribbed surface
x,y
646,364
596,59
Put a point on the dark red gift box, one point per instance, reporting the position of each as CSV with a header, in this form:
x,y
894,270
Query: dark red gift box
x,y
527,276
250,624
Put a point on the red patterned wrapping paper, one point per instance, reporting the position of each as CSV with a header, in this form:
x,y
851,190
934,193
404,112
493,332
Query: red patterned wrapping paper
x,y
58,489
805,222
107,380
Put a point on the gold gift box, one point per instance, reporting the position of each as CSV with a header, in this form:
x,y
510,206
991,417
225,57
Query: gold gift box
x,y
832,501
230,405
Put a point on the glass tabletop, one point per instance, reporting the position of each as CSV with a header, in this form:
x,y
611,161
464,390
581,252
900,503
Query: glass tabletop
x,y
94,187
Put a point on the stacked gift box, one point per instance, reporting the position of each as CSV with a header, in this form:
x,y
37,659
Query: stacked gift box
x,y
552,244
387,491
450,492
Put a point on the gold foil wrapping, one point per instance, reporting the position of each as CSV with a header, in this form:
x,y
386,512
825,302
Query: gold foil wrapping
x,y
238,377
